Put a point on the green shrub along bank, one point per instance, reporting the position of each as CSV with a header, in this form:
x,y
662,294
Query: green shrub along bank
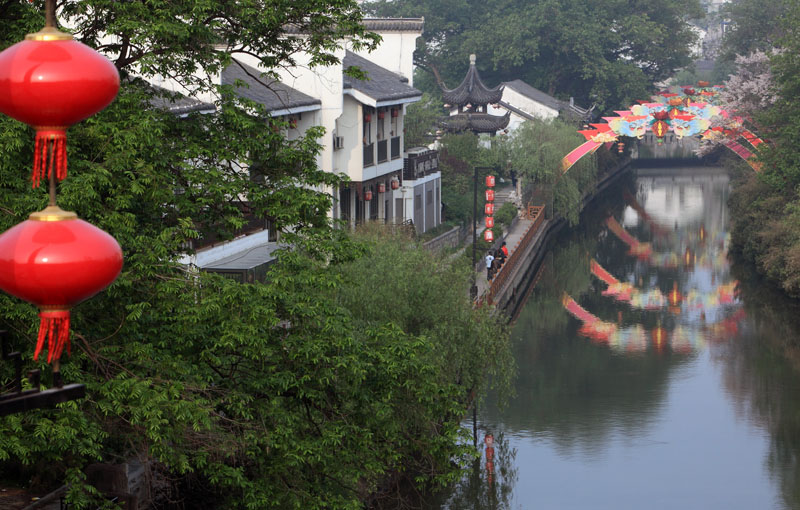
x,y
765,206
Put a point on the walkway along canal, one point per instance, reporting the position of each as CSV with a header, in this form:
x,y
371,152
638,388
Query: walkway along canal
x,y
653,371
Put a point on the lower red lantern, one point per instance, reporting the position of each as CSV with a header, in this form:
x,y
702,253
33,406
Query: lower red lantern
x,y
489,221
488,235
55,260
488,209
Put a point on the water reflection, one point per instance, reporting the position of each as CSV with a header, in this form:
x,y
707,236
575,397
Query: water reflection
x,y
649,377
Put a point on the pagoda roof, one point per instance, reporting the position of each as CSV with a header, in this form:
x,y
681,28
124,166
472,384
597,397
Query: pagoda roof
x,y
476,122
472,89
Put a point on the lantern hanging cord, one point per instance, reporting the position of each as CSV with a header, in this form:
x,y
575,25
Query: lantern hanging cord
x,y
50,13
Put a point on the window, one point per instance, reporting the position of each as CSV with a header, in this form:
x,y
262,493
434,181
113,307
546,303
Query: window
x,y
429,198
381,123
369,118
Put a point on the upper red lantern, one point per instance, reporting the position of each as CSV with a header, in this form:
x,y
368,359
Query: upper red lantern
x,y
55,261
489,209
489,221
51,82
382,188
660,128
489,195
490,181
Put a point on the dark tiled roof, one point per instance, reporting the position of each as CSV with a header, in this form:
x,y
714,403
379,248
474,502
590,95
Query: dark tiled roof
x,y
376,24
273,94
395,24
535,94
472,90
381,84
546,99
476,122
176,103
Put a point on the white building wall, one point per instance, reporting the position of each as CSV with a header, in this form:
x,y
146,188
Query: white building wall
x,y
395,52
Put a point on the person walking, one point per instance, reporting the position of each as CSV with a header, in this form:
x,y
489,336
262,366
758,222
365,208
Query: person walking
x,y
504,249
500,259
489,260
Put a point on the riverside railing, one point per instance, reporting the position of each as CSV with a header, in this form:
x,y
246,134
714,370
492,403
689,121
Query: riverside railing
x,y
535,213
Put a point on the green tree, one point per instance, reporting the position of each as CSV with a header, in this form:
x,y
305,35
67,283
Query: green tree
x,y
607,52
536,151
257,396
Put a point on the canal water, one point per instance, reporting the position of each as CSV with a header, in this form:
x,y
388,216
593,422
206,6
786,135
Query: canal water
x,y
653,370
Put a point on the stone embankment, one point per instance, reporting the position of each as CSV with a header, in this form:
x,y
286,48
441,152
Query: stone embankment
x,y
528,239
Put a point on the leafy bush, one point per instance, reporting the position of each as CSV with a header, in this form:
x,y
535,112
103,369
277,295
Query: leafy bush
x,y
506,214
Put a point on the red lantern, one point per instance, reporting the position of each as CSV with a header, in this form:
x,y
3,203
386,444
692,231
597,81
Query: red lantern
x,y
489,195
368,118
395,184
55,261
488,209
488,235
368,195
381,188
660,128
489,221
395,112
50,82
381,115
490,181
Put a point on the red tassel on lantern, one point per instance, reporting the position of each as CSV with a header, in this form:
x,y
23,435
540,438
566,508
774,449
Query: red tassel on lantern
x,y
55,261
51,82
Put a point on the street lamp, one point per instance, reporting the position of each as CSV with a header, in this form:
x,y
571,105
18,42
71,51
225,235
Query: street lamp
x,y
473,291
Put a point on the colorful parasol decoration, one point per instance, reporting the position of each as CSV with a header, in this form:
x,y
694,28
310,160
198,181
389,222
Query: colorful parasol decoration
x,y
50,82
55,260
677,112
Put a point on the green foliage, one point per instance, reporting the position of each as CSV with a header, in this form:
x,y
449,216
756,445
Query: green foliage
x,y
754,25
536,150
606,52
766,208
506,214
277,395
421,120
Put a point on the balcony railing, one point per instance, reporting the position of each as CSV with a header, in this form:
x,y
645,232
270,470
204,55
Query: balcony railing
x,y
382,151
395,147
369,154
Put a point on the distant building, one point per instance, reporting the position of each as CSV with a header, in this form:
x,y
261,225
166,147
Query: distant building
x,y
475,107
524,102
469,103
422,187
364,125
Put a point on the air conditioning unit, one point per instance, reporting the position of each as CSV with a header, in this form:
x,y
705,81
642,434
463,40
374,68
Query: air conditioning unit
x,y
338,142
